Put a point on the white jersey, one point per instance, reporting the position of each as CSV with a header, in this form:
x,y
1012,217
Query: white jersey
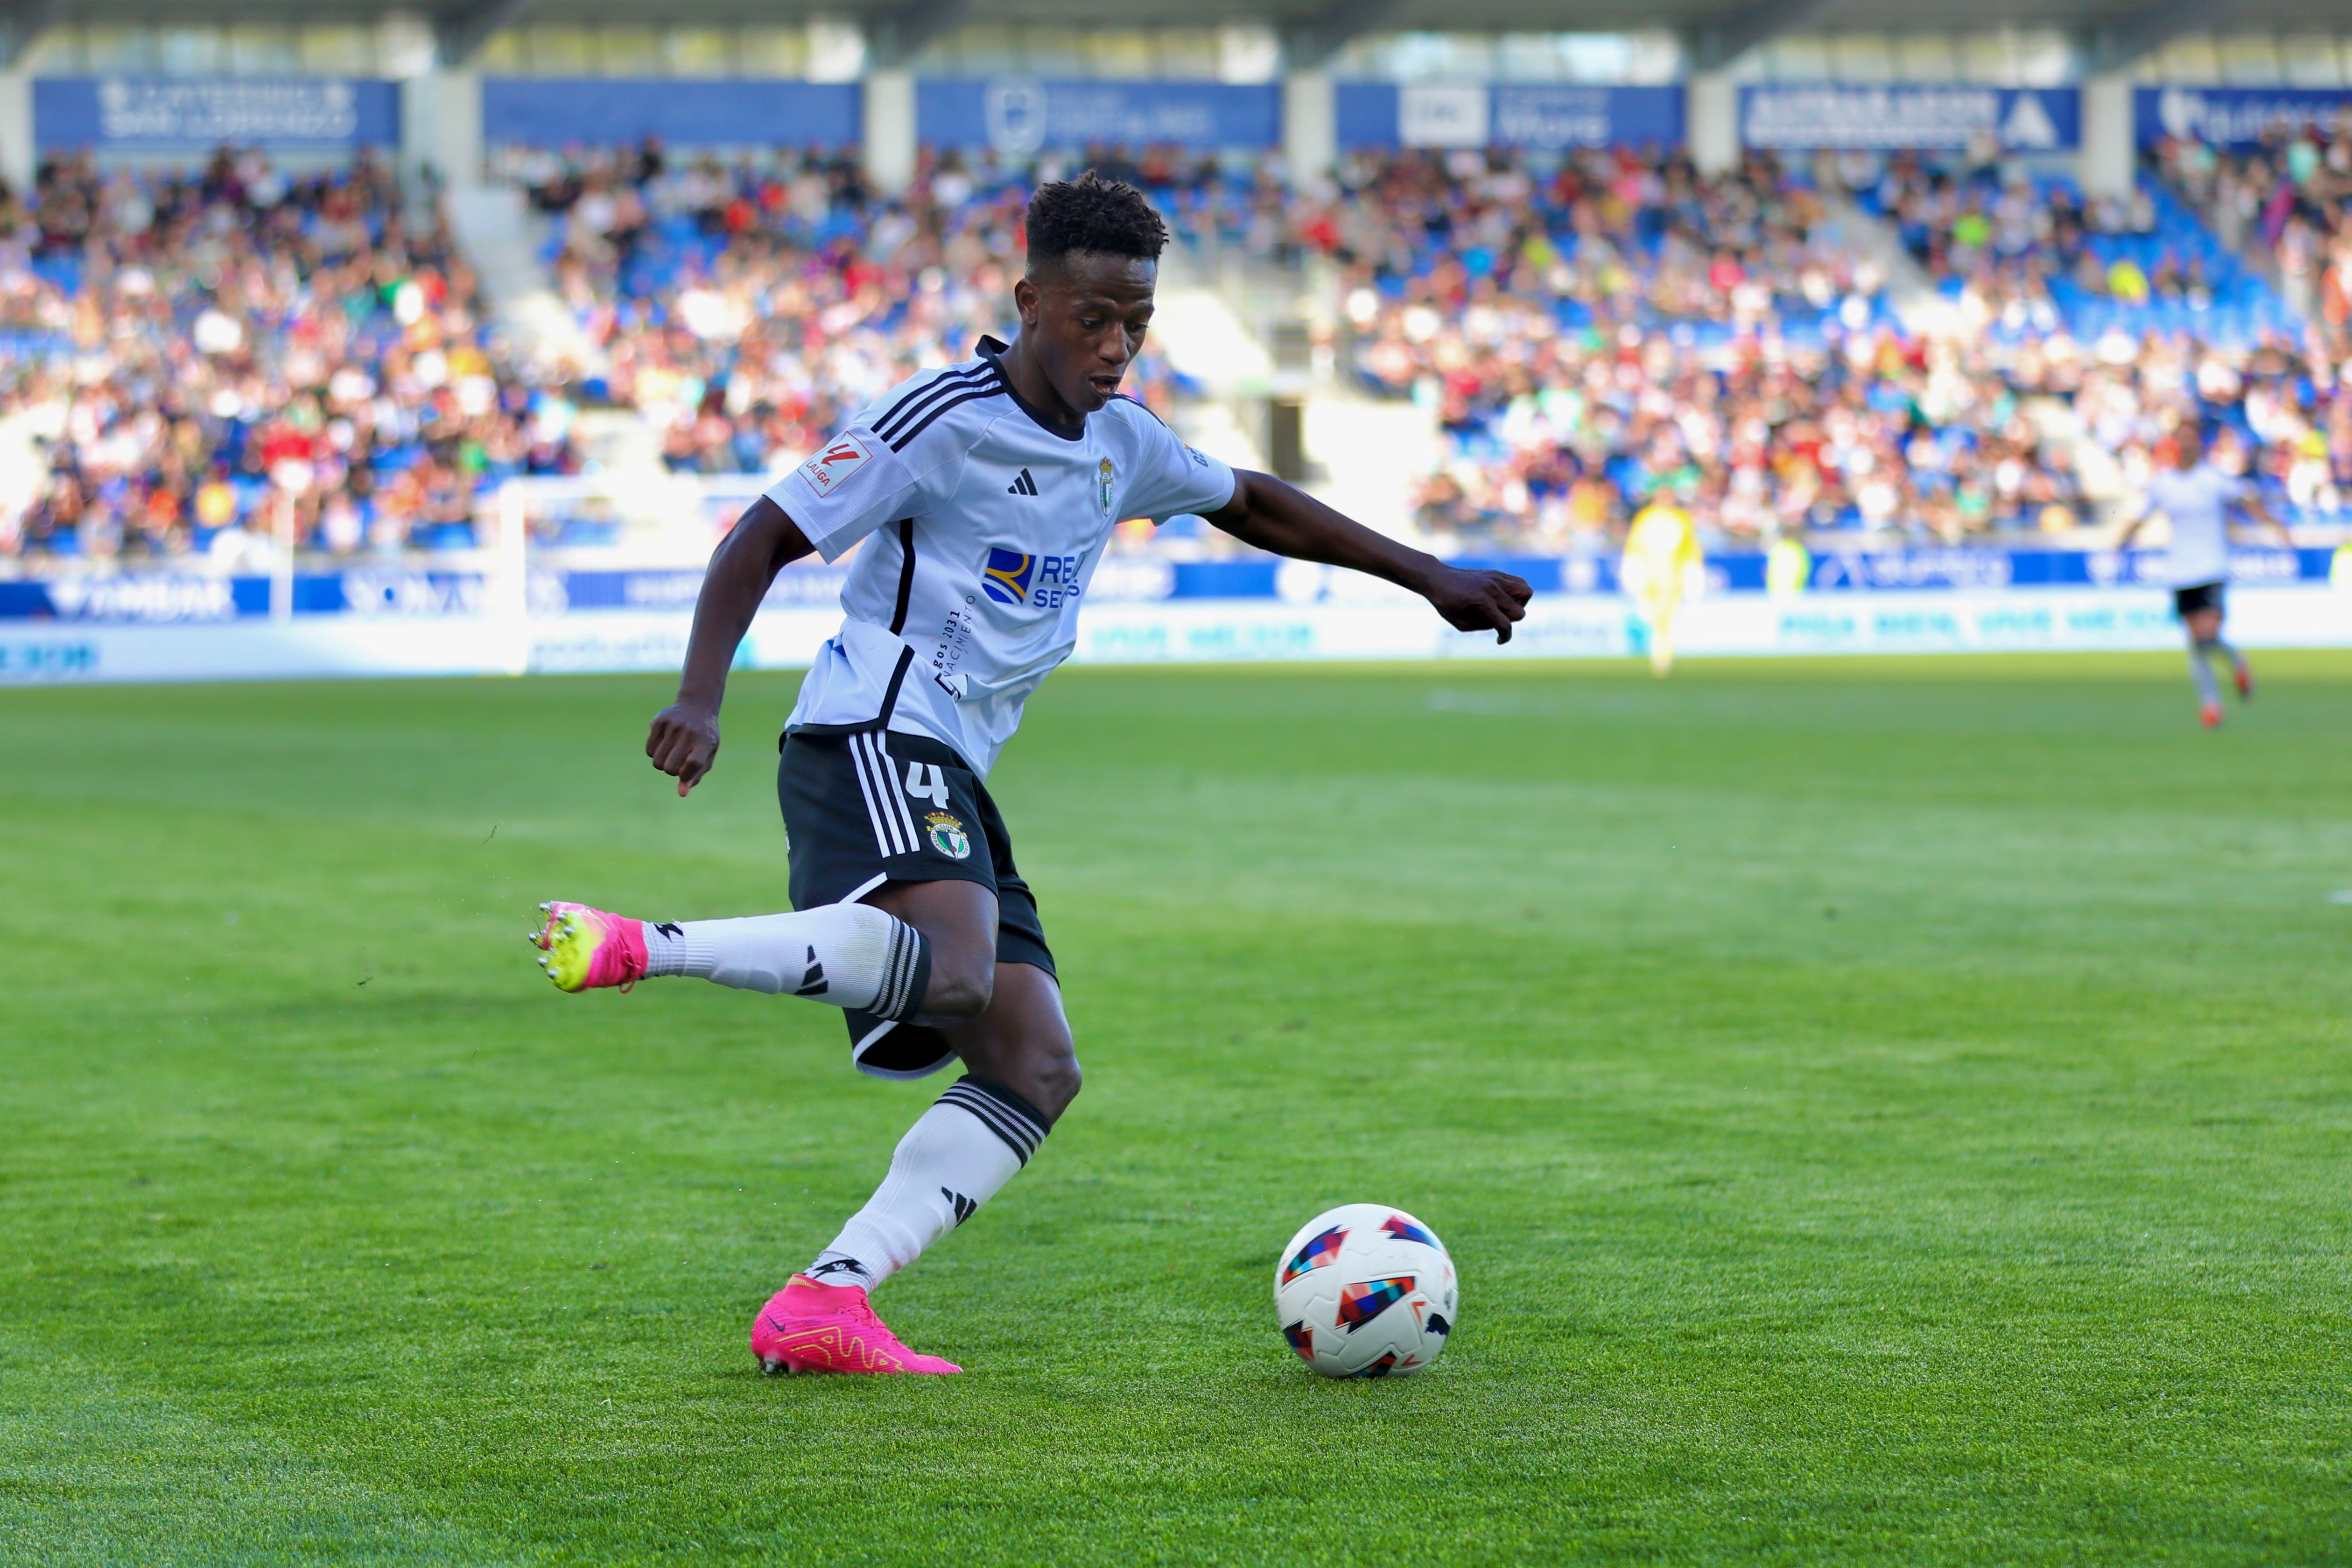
x,y
2198,504
987,520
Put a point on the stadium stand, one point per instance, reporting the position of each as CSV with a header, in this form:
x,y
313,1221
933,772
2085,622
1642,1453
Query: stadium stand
x,y
214,345
1587,331
2286,200
746,307
1593,335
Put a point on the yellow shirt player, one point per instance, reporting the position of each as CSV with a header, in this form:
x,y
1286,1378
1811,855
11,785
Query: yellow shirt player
x,y
1661,554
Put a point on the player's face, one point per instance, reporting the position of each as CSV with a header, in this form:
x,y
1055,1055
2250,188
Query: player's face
x,y
1084,318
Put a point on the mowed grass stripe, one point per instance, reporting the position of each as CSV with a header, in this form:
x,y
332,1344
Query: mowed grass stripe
x,y
1990,1217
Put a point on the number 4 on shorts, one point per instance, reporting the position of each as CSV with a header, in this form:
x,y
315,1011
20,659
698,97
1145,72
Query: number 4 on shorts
x,y
934,790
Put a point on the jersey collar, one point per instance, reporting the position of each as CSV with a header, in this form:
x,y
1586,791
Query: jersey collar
x,y
989,349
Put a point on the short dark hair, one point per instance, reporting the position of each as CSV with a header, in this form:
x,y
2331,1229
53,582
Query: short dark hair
x,y
1091,213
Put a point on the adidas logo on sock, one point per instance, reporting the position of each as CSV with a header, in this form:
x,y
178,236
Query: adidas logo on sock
x,y
840,1265
964,1207
813,983
1023,486
671,930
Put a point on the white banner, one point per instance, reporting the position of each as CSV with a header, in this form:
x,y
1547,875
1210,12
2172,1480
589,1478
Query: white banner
x,y
1565,626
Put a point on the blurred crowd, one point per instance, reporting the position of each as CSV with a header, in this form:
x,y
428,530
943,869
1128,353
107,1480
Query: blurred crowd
x,y
746,307
1597,332
2286,200
212,359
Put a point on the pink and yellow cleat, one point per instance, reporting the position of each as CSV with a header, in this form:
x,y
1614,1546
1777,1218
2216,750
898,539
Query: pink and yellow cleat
x,y
809,1326
588,948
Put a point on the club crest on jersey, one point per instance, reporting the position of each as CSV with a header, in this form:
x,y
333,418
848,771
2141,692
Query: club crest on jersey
x,y
835,462
1105,478
946,835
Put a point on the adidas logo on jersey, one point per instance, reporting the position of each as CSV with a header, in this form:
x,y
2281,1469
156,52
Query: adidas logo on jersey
x,y
1022,486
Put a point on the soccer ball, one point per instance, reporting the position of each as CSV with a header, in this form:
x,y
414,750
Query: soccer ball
x,y
1365,1291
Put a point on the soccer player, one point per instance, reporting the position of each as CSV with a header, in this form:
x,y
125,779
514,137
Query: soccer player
x,y
983,494
1661,548
2196,497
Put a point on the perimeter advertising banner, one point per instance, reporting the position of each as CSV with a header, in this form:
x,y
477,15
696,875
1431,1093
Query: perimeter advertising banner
x,y
1902,116
1019,115
550,111
1542,116
197,114
2233,116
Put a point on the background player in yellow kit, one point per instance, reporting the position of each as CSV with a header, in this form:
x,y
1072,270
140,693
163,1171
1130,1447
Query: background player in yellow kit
x,y
1661,554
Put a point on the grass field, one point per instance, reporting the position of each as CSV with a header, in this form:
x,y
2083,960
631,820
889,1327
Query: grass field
x,y
1888,1112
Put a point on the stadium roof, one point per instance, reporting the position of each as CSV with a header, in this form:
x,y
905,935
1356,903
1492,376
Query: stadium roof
x,y
2114,32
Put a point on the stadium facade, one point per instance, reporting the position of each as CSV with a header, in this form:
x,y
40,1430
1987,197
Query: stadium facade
x,y
2070,80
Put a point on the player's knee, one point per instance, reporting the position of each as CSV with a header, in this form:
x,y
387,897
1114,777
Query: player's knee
x,y
1060,1079
960,988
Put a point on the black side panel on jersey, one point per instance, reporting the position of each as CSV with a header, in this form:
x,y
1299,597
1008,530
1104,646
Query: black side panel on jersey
x,y
890,697
906,576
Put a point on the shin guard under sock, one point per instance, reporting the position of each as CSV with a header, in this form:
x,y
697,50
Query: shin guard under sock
x,y
845,955
955,1157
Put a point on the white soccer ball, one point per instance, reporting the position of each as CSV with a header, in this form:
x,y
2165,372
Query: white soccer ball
x,y
1365,1291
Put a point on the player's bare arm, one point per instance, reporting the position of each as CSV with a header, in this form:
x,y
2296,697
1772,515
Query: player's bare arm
x,y
684,739
1280,517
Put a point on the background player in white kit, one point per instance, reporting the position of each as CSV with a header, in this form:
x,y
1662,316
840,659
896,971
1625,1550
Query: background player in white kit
x,y
983,494
2196,498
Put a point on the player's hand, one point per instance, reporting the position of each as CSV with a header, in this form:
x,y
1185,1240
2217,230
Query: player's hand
x,y
1479,600
684,741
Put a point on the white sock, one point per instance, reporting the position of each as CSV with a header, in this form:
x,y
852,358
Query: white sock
x,y
955,1157
2201,670
846,955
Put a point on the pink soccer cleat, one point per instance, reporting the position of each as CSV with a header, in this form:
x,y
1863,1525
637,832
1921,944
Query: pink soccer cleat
x,y
809,1326
587,948
2209,715
2245,683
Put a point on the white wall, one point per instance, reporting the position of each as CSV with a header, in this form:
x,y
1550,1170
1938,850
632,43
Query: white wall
x,y
890,129
1711,105
17,159
1310,124
441,124
2107,156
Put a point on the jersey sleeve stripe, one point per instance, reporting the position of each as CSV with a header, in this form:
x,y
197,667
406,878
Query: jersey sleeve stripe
x,y
900,443
914,401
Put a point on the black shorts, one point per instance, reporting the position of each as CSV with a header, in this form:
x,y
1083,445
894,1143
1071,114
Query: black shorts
x,y
869,806
2201,596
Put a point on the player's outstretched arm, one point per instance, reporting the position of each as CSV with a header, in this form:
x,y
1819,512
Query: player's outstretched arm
x,y
684,739
1273,515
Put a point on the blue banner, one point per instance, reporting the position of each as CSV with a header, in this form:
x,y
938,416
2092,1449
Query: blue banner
x,y
1543,116
1022,114
183,113
165,598
1911,117
550,111
2233,116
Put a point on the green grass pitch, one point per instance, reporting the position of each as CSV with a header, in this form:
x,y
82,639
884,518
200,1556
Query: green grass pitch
x,y
1883,1113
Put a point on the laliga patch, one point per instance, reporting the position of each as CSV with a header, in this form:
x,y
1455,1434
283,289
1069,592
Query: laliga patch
x,y
836,461
946,835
